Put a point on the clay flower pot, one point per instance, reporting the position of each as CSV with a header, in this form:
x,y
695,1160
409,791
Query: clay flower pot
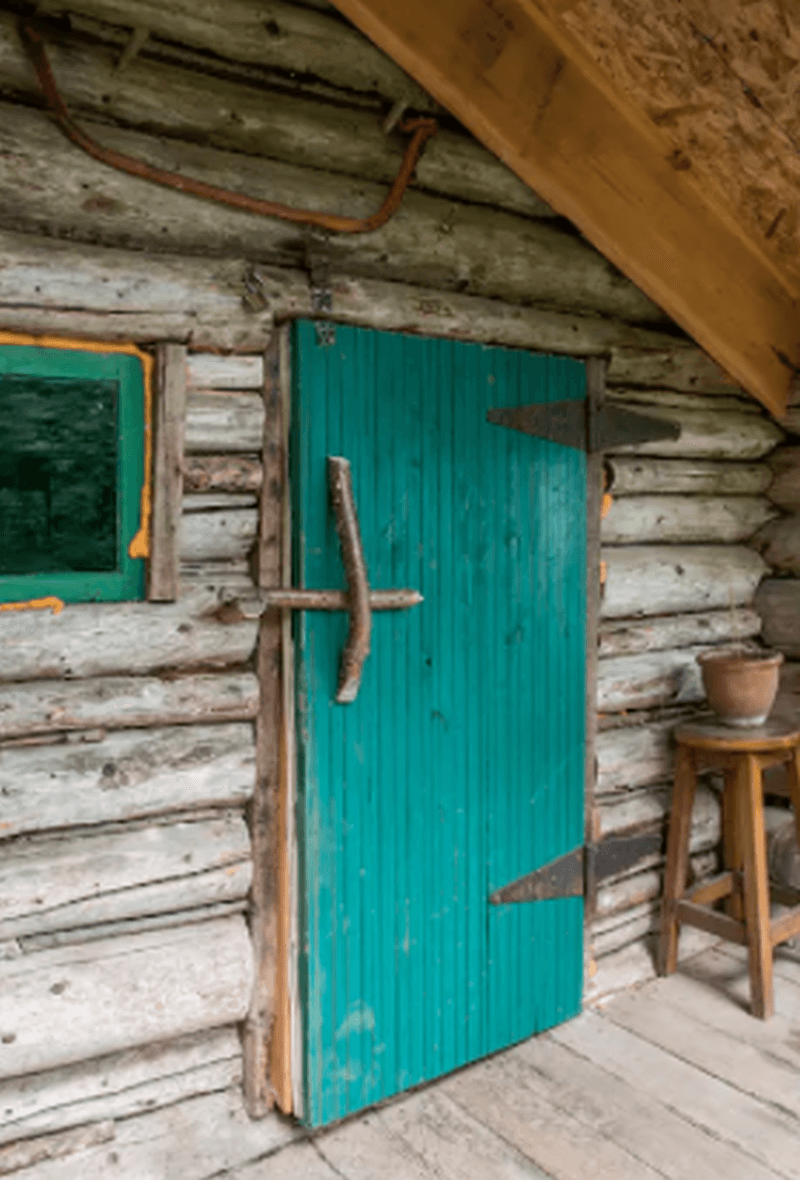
x,y
741,686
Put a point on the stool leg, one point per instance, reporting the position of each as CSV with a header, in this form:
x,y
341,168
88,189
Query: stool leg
x,y
680,823
732,842
793,782
756,886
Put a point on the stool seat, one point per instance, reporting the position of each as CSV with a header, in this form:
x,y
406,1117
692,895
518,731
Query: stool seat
x,y
743,754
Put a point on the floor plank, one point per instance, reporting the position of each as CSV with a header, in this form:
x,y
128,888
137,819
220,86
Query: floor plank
x,y
629,1116
498,1094
739,1063
301,1161
760,1131
426,1135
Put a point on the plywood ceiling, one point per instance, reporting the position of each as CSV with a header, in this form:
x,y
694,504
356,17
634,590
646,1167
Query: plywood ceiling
x,y
668,131
721,79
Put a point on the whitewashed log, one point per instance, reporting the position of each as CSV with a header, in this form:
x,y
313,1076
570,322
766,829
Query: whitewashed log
x,y
125,702
778,603
224,422
226,580
218,536
121,1085
631,637
206,501
646,808
640,921
127,775
636,964
190,1140
50,286
619,899
282,37
784,490
291,127
681,366
27,1153
639,400
633,756
67,1005
221,474
632,476
208,370
649,680
778,542
684,520
670,579
87,879
100,639
706,434
429,240
146,924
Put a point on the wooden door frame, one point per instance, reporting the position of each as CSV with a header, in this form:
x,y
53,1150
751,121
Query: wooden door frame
x,y
272,1032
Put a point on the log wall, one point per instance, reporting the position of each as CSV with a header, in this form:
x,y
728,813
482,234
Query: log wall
x,y
127,745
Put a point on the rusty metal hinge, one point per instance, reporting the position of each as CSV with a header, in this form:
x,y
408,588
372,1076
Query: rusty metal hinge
x,y
583,425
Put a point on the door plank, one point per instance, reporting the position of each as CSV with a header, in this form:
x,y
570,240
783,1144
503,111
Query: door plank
x,y
759,1131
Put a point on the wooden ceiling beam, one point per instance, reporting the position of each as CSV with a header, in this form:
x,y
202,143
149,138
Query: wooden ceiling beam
x,y
523,86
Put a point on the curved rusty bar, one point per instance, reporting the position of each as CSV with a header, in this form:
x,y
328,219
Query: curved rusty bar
x,y
356,648
420,130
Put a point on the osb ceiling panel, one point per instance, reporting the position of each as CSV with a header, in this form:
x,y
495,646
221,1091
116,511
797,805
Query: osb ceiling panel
x,y
721,78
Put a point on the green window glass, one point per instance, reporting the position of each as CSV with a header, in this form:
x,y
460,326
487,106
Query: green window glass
x,y
71,468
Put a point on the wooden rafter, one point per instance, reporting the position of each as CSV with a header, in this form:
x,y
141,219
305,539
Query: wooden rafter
x,y
522,84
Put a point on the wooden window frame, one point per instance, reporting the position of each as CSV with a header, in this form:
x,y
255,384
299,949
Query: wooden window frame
x,y
132,370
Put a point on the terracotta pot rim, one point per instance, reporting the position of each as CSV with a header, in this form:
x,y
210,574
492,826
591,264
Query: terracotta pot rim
x,y
761,658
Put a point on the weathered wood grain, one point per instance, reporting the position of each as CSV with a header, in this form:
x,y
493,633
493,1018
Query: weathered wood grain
x,y
224,422
126,775
778,603
226,580
431,241
207,501
641,809
219,536
684,520
778,542
264,1035
121,1085
709,434
281,37
187,104
169,420
670,579
632,476
635,964
735,401
685,367
620,900
125,702
631,637
145,924
87,879
634,756
50,286
189,1140
650,679
101,639
27,1153
231,474
67,1005
208,370
784,490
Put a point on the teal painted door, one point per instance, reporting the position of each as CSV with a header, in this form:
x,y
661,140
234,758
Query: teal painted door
x,y
460,765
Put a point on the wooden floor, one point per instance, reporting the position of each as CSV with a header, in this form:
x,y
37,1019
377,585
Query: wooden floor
x,y
673,1080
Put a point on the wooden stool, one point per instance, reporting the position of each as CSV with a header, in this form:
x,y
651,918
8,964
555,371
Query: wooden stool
x,y
743,754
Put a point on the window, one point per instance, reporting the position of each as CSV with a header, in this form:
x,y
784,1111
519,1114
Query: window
x,y
72,458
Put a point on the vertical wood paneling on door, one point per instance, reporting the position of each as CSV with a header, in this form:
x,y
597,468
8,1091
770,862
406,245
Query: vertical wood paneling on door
x,y
459,767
